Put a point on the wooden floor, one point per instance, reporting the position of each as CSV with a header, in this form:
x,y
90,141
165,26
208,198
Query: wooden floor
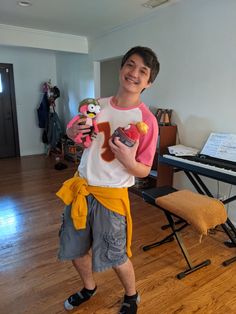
x,y
33,281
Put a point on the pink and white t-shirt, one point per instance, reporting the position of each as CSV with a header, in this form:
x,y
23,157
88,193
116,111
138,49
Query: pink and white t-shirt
x,y
98,164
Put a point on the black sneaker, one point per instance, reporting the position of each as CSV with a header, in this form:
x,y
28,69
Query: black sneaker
x,y
78,298
130,304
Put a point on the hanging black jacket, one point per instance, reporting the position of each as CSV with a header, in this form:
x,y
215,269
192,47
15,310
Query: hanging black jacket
x,y
54,130
43,111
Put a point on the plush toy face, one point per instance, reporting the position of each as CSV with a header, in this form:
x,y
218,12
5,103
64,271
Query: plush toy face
x,y
89,107
132,131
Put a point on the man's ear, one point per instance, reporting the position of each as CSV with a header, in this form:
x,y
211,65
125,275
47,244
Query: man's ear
x,y
149,84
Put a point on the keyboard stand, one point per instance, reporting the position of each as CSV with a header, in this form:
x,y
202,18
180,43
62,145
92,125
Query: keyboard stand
x,y
193,173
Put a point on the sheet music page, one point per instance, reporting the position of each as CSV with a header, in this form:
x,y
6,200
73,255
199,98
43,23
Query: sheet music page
x,y
221,145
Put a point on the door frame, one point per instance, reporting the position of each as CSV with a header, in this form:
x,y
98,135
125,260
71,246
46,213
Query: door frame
x,y
9,66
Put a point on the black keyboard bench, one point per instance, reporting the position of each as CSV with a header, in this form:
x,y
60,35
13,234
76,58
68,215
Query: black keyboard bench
x,y
150,196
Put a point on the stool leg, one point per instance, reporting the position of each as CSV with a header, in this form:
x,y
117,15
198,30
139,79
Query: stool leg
x,y
179,221
191,268
231,232
179,239
229,261
169,238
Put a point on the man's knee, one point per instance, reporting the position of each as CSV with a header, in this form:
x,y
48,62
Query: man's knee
x,y
82,259
122,265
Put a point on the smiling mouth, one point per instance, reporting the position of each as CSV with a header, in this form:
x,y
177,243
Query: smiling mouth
x,y
131,80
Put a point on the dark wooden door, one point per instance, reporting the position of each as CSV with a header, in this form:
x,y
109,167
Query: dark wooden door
x,y
9,142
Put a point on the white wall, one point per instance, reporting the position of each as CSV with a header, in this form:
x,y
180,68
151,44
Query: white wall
x,y
72,73
76,82
196,44
109,76
31,68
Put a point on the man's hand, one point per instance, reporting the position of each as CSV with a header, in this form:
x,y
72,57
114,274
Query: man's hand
x,y
126,155
78,127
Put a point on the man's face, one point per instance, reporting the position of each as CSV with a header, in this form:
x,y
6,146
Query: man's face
x,y
134,75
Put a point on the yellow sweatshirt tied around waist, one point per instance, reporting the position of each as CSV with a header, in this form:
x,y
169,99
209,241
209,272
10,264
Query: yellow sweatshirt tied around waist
x,y
74,192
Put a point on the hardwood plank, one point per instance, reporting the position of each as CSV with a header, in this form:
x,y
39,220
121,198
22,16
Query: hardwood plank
x,y
33,281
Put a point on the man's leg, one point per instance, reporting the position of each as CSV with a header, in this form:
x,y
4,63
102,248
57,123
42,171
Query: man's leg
x,y
74,243
125,272
126,275
84,267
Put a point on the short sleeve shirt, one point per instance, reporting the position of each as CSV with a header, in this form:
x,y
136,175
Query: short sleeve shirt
x,y
98,164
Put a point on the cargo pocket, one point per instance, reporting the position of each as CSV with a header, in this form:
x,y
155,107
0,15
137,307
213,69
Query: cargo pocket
x,y
115,247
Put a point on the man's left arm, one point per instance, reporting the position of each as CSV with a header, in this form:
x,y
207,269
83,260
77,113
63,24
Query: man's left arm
x,y
126,155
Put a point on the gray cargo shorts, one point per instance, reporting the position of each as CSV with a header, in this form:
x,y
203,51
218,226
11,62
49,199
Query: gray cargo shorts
x,y
105,235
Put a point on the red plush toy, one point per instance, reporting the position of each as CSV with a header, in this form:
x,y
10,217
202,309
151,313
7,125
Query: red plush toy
x,y
88,108
131,133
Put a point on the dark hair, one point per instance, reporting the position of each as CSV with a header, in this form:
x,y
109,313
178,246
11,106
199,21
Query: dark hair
x,y
149,58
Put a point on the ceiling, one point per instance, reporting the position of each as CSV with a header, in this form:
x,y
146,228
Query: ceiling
x,y
89,18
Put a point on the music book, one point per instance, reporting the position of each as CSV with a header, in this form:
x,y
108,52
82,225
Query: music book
x,y
221,146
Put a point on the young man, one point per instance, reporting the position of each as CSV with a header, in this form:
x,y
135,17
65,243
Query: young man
x,y
97,218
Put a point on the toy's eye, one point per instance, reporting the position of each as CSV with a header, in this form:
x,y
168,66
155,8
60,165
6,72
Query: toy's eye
x,y
97,109
91,108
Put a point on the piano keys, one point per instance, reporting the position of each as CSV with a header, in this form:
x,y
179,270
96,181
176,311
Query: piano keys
x,y
211,171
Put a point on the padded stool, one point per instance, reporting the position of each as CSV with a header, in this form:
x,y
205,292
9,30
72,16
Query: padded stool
x,y
201,211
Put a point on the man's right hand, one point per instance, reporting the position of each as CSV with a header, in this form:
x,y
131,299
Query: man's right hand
x,y
77,127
